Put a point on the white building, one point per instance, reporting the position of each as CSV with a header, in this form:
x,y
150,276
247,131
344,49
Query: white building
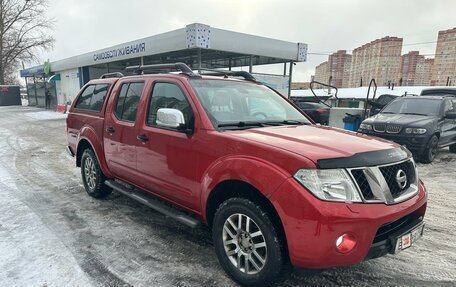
x,y
197,45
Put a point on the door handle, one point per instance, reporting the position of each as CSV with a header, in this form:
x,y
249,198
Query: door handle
x,y
142,138
110,130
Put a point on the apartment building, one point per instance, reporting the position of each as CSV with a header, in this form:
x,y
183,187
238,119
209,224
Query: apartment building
x,y
321,73
335,71
409,64
423,75
444,68
379,59
338,66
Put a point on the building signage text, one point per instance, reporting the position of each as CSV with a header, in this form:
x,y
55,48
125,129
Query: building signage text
x,y
126,50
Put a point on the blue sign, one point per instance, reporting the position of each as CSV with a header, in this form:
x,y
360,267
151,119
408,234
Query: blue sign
x,y
34,71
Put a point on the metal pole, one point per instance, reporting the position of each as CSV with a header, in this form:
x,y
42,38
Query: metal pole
x,y
45,91
142,61
251,64
26,84
26,89
199,60
330,80
229,64
284,69
289,80
36,93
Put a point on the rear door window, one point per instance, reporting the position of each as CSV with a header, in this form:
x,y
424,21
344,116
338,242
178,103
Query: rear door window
x,y
92,98
121,100
128,100
98,97
84,99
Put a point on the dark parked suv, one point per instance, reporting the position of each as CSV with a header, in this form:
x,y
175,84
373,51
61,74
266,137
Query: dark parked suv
x,y
378,104
423,124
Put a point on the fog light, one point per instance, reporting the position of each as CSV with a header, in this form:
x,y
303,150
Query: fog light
x,y
345,243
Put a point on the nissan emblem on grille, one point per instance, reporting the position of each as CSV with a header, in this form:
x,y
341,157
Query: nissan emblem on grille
x,y
401,179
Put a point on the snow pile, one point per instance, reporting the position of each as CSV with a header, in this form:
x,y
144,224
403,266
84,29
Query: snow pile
x,y
361,92
46,115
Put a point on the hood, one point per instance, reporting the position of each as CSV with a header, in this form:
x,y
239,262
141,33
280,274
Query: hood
x,y
401,119
315,142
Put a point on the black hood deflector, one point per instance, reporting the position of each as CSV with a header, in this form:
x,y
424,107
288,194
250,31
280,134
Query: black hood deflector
x,y
370,158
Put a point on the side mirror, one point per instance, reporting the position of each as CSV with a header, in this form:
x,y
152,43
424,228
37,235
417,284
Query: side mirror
x,y
170,118
450,115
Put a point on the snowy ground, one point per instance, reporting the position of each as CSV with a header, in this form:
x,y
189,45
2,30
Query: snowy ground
x,y
53,234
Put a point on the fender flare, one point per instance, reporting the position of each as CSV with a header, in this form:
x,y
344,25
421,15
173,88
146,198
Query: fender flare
x,y
263,175
87,133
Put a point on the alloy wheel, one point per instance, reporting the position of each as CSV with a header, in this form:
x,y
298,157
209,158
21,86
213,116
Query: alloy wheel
x,y
90,173
244,244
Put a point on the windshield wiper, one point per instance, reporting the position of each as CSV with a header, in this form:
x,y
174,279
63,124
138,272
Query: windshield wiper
x,y
417,114
285,122
388,113
241,124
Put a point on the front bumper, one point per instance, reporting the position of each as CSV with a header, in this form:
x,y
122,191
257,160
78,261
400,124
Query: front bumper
x,y
415,143
312,226
390,233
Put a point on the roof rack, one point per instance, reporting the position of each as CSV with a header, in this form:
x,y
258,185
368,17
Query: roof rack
x,y
212,72
161,68
112,75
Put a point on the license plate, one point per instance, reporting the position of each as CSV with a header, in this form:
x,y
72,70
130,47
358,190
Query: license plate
x,y
406,240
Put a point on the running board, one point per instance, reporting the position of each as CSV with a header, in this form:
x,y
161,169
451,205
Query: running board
x,y
155,204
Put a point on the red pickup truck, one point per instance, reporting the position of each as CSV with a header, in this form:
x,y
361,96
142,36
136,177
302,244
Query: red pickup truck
x,y
234,154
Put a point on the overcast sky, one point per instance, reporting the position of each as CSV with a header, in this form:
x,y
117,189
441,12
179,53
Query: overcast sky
x,y
86,25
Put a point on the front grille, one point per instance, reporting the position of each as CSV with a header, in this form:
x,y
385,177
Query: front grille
x,y
361,180
393,129
393,178
380,128
389,173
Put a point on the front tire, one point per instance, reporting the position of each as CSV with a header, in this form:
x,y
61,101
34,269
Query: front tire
x,y
247,243
431,150
92,176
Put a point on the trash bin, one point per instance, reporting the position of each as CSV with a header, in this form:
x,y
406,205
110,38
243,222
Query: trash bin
x,y
351,122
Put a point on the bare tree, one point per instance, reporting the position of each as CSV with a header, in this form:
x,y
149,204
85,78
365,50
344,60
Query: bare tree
x,y
24,32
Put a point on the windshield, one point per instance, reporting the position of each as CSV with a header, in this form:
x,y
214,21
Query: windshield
x,y
426,107
241,104
384,99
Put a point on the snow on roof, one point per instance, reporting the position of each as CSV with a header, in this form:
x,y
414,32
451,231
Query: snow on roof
x,y
361,92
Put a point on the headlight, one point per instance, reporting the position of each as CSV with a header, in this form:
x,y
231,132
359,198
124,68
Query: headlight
x,y
417,131
329,184
366,127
